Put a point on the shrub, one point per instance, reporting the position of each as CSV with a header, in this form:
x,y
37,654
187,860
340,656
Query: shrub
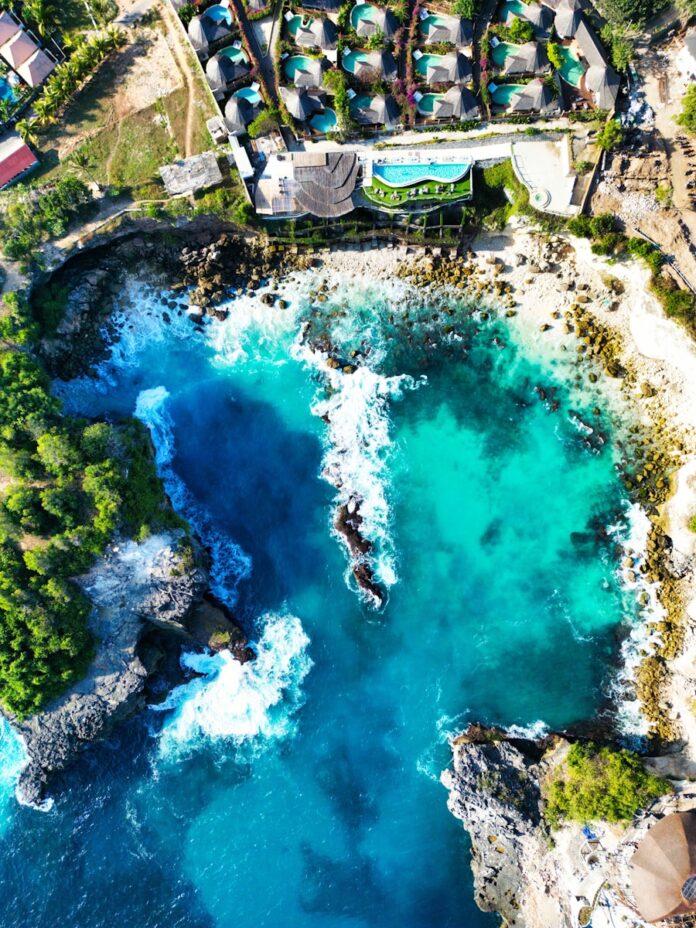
x,y
692,523
266,121
520,31
610,136
600,783
553,50
687,117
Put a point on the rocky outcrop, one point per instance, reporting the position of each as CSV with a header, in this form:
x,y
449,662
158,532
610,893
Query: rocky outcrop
x,y
494,790
136,589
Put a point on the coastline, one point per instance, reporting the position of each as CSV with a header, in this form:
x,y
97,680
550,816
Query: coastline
x,y
655,351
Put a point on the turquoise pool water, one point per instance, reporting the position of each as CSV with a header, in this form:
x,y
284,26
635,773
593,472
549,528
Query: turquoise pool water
x,y
6,90
219,14
324,122
422,63
294,24
295,63
301,790
235,54
512,8
503,93
349,58
403,175
359,12
501,52
427,102
246,93
572,69
432,19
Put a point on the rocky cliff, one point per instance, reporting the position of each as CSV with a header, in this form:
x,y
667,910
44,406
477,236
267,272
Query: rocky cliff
x,y
494,790
155,586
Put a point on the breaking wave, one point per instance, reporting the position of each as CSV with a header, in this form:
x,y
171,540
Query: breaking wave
x,y
250,704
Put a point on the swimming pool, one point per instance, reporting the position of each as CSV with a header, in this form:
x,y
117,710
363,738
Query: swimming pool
x,y
403,175
219,14
294,64
350,59
503,93
423,62
359,12
432,19
363,101
512,8
6,90
249,94
571,69
324,122
501,52
238,55
426,104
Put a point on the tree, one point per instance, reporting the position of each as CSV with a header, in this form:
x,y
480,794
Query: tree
x,y
636,12
266,121
520,31
687,117
610,135
620,45
600,784
26,131
553,50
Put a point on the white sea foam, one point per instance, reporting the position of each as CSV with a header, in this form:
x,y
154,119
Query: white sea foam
x,y
532,732
359,447
632,533
250,705
13,759
229,563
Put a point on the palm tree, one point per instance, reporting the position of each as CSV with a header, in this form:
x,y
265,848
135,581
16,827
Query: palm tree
x,y
82,161
26,130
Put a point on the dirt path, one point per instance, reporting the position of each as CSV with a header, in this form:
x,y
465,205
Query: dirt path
x,y
175,42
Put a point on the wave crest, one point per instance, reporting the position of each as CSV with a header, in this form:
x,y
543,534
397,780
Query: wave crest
x,y
250,704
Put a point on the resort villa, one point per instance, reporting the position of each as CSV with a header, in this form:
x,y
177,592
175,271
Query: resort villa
x,y
22,53
365,69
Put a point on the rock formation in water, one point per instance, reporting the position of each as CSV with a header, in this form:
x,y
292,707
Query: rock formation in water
x,y
142,596
494,790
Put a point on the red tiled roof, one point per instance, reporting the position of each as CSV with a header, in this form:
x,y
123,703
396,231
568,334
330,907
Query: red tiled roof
x,y
15,163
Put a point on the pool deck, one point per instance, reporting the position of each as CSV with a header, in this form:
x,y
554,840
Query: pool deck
x,y
543,165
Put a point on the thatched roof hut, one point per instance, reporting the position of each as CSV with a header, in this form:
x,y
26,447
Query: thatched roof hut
x,y
299,103
663,869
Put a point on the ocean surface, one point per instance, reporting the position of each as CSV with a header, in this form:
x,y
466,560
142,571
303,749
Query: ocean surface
x,y
302,790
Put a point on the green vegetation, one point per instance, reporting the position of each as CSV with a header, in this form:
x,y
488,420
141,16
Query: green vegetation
x,y
687,117
610,135
553,50
636,12
520,31
72,485
337,83
376,41
388,197
608,240
268,120
692,523
466,8
499,195
600,784
33,216
71,74
619,44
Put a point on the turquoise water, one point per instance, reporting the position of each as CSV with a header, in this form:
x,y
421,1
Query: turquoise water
x,y
512,8
324,122
235,54
501,52
423,62
402,175
361,101
359,12
432,19
247,93
301,790
6,90
426,104
503,93
572,69
294,64
219,14
349,58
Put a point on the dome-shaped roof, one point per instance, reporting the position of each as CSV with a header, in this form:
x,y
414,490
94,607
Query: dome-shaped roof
x,y
663,868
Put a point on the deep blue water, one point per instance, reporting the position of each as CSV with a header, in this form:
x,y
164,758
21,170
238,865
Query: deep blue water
x,y
302,790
